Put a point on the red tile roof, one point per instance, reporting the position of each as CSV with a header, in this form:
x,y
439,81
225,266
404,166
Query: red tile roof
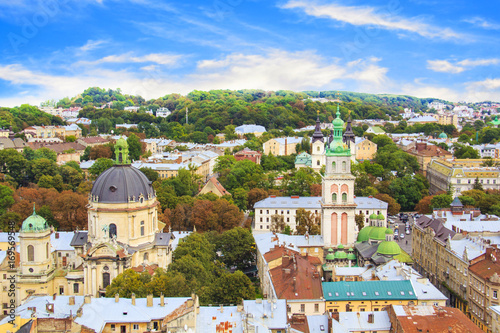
x,y
487,267
296,278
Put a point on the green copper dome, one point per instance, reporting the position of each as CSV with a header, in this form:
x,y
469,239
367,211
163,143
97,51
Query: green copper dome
x,y
389,232
340,246
340,255
443,135
337,147
380,217
121,152
364,234
330,256
389,248
351,256
34,223
377,233
373,216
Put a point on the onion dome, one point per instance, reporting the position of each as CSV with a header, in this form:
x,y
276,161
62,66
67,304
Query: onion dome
x,y
34,223
377,233
373,216
389,248
389,232
380,217
340,247
364,234
330,255
351,256
340,255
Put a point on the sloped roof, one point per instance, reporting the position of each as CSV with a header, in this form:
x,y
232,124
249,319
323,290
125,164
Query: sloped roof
x,y
368,290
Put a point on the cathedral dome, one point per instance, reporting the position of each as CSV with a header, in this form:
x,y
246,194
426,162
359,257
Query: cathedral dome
x,y
364,234
34,223
377,233
389,248
122,184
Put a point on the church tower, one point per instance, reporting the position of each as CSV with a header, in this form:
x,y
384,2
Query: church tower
x,y
338,207
36,266
349,139
318,148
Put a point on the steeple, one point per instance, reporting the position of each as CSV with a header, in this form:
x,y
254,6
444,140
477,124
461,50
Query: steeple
x,y
121,152
349,134
318,135
337,147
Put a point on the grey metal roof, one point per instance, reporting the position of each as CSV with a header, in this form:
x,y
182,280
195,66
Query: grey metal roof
x,y
314,203
79,239
121,182
162,238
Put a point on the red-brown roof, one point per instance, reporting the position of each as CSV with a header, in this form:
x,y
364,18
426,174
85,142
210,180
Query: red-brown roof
x,y
429,150
94,139
487,267
296,278
150,269
218,186
57,147
278,252
433,319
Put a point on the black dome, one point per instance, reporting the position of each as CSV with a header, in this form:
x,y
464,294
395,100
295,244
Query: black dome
x,y
121,184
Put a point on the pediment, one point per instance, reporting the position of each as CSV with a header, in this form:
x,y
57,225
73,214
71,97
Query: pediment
x,y
104,250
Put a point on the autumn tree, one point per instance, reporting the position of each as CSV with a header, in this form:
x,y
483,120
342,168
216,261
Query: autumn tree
x,y
424,205
255,195
277,223
360,220
307,222
393,207
100,151
69,209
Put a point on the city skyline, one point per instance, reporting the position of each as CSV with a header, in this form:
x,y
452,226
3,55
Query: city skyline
x,y
422,48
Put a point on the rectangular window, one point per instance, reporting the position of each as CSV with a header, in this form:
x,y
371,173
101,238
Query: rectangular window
x,y
261,219
261,211
142,231
76,288
136,327
367,213
494,294
267,211
288,219
458,181
469,181
316,307
112,327
302,308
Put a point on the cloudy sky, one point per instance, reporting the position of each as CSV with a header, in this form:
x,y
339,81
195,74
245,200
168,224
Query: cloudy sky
x,y
447,49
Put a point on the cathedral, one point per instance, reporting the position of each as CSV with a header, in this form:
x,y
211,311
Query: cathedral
x,y
123,232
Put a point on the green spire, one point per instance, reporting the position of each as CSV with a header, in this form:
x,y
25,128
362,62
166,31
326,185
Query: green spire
x,y
337,146
121,152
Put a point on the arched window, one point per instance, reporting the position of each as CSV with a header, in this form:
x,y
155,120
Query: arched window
x,y
47,250
146,257
344,197
120,158
344,166
105,280
334,167
334,197
317,148
317,162
31,253
112,230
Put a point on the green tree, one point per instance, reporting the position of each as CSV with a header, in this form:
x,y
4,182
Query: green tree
x,y
307,222
441,201
6,198
150,173
46,153
477,185
129,282
462,151
231,289
198,247
360,220
43,167
170,284
99,166
237,247
240,197
134,147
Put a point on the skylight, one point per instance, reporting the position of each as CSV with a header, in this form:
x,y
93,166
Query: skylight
x,y
330,294
364,293
376,293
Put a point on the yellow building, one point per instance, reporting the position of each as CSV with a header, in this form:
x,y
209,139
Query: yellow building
x,y
461,174
364,149
281,146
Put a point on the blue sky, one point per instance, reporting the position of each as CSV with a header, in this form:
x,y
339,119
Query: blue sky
x,y
447,49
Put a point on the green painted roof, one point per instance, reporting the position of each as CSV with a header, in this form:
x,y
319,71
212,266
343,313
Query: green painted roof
x,y
389,232
340,255
34,223
364,234
330,256
495,122
368,290
380,216
303,158
377,233
389,248
373,216
340,246
377,130
443,136
351,256
330,250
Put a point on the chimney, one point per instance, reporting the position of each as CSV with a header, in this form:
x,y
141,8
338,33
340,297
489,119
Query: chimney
x,y
72,300
149,302
162,300
49,307
117,298
54,296
221,308
370,318
87,299
133,299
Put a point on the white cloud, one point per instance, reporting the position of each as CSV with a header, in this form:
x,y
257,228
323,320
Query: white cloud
x,y
482,23
386,18
485,90
91,45
445,66
157,58
276,69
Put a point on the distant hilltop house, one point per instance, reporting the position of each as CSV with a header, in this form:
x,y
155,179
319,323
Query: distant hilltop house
x,y
126,126
79,121
131,108
256,130
375,130
213,186
163,112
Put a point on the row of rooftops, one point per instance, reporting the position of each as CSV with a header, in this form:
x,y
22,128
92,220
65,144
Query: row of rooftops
x,y
293,202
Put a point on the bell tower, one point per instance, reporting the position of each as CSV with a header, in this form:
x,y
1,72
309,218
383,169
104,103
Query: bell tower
x,y
338,207
318,148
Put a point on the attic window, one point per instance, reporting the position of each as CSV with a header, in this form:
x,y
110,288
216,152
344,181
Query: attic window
x,y
337,294
330,294
322,327
403,293
410,292
364,293
376,293
424,291
125,313
389,293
